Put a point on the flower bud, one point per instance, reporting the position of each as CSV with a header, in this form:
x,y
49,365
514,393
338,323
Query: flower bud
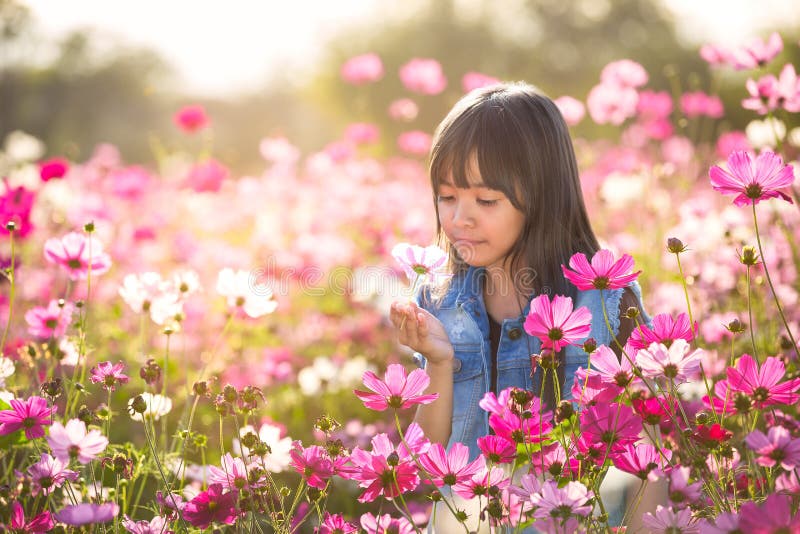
x,y
201,388
701,418
151,372
436,496
393,459
675,245
86,415
327,424
52,388
736,326
564,411
548,359
11,226
590,345
138,405
230,394
749,256
250,440
631,313
89,227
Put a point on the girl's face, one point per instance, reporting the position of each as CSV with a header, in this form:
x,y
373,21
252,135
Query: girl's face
x,y
481,223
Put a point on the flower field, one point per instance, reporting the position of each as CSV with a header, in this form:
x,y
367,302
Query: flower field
x,y
185,348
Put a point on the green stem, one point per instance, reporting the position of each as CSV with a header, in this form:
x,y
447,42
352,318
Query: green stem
x,y
12,279
167,486
164,394
771,287
750,313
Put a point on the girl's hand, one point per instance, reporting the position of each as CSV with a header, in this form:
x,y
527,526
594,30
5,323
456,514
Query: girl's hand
x,y
422,332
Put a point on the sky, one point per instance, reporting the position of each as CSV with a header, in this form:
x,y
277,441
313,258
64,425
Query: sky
x,y
223,48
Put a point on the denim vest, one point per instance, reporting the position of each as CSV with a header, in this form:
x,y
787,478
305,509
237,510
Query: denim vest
x,y
463,313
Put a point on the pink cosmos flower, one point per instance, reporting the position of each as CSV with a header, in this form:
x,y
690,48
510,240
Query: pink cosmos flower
x,y
641,460
787,89
723,402
603,273
592,389
611,369
531,427
724,523
475,80
415,142
654,105
425,264
87,513
570,500
678,362
397,390
681,492
697,103
451,467
761,94
403,109
73,441
207,176
211,506
48,474
665,330
423,76
624,73
555,323
362,69
78,254
554,460
53,168
731,141
242,292
157,525
362,133
667,521
774,516
130,182
756,53
752,181
610,424
611,104
191,118
715,55
571,109
776,447
381,475
481,482
385,524
497,449
232,475
41,523
30,415
109,375
16,204
50,322
313,464
335,524
763,385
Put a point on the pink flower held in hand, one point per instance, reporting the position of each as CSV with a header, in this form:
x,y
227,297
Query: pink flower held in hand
x,y
87,514
30,415
78,254
555,324
211,506
362,69
763,385
73,441
109,375
676,362
191,119
752,181
427,264
603,273
50,322
397,390
53,168
452,467
776,447
423,76
41,523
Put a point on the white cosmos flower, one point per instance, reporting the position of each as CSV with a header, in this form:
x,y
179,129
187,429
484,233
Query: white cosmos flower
x,y
6,370
243,291
279,458
22,147
139,290
157,406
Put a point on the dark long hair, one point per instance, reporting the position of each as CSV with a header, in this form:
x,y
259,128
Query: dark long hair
x,y
523,148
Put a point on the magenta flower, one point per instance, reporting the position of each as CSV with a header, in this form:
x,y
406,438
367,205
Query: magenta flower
x,y
497,449
31,415
48,474
681,492
667,521
451,467
423,76
109,375
610,424
776,447
695,104
641,460
73,441
676,363
49,322
592,389
763,384
665,330
724,523
555,323
414,142
571,109
384,470
612,370
752,181
603,273
384,524
475,80
774,516
157,525
207,176
232,475
87,513
533,427
53,168
397,390
756,53
335,524
211,506
41,523
362,69
611,103
16,204
624,73
313,464
481,482
571,500
191,119
78,254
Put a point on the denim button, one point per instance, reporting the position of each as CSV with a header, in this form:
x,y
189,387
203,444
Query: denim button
x,y
456,365
515,333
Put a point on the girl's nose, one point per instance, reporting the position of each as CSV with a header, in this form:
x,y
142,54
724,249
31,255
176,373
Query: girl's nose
x,y
462,215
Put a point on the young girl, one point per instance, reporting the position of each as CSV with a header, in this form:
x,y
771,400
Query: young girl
x,y
510,212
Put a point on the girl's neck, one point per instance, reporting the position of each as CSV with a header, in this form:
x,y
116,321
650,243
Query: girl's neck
x,y
501,295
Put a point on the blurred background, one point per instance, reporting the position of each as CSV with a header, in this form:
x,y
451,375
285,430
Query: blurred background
x,y
78,73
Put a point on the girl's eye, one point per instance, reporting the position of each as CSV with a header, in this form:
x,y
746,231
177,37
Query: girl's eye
x,y
487,202
444,198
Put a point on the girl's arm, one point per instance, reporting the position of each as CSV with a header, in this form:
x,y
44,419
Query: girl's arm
x,y
419,330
